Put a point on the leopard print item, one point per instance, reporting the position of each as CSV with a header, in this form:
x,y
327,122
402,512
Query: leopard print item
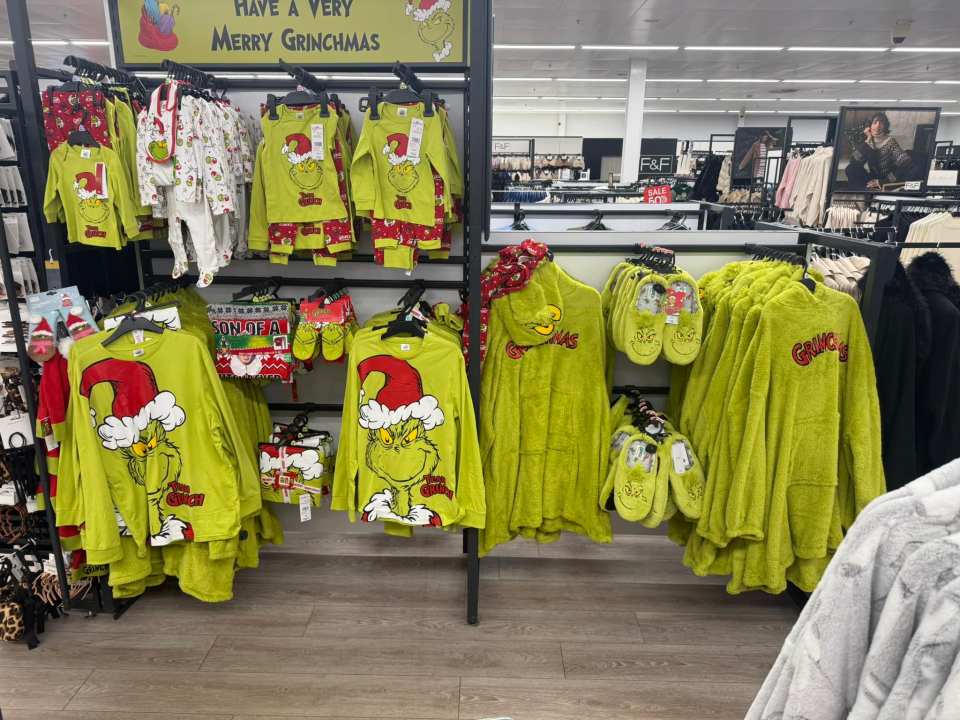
x,y
11,622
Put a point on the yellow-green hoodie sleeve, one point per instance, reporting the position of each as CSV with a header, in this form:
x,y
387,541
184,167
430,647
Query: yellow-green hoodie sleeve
x,y
123,197
258,239
345,470
363,179
52,202
470,492
861,462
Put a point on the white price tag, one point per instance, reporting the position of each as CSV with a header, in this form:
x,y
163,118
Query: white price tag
x,y
85,153
912,185
8,495
317,140
681,461
306,510
32,505
138,336
673,320
416,139
402,111
404,347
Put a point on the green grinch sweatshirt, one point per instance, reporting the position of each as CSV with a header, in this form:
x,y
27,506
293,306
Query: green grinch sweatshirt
x,y
151,449
392,171
803,456
544,412
89,190
295,161
408,450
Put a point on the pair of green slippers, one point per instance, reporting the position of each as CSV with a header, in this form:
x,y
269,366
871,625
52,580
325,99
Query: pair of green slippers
x,y
651,481
653,314
330,341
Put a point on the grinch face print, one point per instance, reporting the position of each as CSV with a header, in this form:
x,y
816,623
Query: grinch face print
x,y
158,148
399,450
90,188
402,175
435,25
644,340
139,429
305,170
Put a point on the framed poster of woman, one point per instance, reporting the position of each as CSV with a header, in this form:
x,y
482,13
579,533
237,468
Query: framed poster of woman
x,y
882,149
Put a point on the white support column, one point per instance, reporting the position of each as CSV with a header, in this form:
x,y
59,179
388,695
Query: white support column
x,y
636,91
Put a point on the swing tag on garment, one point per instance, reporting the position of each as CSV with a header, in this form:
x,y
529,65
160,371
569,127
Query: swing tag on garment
x,y
138,337
306,511
316,141
416,139
681,460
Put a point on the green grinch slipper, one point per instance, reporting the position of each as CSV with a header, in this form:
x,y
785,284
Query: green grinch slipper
x,y
333,341
661,495
635,481
686,476
644,320
683,328
305,342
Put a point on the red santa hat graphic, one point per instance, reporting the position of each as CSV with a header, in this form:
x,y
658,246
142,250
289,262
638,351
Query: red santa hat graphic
x,y
136,401
297,148
424,9
89,185
43,330
396,148
400,398
77,327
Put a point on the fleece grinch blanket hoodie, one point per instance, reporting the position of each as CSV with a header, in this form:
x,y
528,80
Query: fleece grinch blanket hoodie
x,y
543,412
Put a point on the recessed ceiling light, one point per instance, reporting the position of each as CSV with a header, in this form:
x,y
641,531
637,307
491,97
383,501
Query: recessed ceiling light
x,y
926,49
935,102
822,48
596,80
740,80
50,42
522,79
91,43
674,80
816,99
736,48
534,47
821,82
629,47
895,82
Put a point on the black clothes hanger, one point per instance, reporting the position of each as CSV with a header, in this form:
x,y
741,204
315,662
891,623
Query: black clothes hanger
x,y
81,137
270,286
329,288
519,219
405,325
129,324
595,224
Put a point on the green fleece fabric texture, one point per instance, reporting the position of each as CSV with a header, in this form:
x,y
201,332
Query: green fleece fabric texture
x,y
544,433
781,409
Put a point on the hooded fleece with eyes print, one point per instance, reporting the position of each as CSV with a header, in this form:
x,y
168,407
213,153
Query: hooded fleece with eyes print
x,y
543,415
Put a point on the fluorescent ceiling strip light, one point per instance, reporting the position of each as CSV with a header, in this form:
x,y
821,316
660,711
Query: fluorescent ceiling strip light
x,y
701,112
6,42
235,76
522,79
150,74
50,42
534,47
90,43
896,82
823,48
577,99
674,80
869,100
273,76
749,99
925,49
821,82
689,99
735,48
594,80
611,98
629,47
388,78
950,113
517,97
808,112
944,102
946,82
740,80
817,99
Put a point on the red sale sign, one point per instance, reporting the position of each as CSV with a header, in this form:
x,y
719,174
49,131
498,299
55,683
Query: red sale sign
x,y
658,194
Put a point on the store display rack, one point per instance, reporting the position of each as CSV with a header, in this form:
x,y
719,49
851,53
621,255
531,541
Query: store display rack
x,y
476,87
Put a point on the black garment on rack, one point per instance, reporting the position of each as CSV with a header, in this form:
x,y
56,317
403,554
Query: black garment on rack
x,y
900,351
705,187
938,420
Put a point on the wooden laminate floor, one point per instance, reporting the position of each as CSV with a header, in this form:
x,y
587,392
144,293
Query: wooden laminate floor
x,y
343,625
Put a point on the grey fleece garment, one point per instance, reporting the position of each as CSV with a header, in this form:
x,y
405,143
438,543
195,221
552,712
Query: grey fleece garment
x,y
947,702
816,674
925,573
928,662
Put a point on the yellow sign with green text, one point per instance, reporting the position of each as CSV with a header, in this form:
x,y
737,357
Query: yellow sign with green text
x,y
303,32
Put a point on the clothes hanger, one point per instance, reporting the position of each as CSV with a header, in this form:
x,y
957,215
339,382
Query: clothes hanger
x,y
81,136
130,323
